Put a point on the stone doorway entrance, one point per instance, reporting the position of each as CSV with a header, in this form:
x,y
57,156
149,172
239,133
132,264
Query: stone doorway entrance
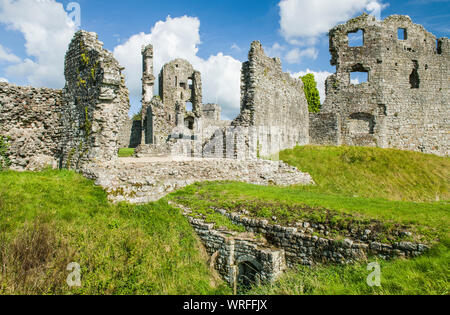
x,y
248,274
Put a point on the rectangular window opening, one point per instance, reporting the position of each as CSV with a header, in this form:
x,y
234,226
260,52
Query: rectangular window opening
x,y
359,77
402,34
356,39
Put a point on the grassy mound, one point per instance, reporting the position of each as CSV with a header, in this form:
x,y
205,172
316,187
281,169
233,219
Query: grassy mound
x,y
53,218
355,186
50,219
373,172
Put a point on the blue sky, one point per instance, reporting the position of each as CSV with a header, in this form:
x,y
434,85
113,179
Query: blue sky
x,y
217,35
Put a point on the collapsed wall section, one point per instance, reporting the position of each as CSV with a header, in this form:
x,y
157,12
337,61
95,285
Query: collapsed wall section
x,y
405,101
96,103
31,118
272,100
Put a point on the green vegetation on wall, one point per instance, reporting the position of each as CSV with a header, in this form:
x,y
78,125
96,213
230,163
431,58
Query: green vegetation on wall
x,y
4,158
311,93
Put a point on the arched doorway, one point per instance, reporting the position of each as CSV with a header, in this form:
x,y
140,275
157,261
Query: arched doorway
x,y
249,272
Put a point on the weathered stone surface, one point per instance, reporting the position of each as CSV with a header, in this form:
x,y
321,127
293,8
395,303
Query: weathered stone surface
x,y
273,100
324,129
41,162
96,103
288,246
231,253
31,117
130,134
406,102
145,180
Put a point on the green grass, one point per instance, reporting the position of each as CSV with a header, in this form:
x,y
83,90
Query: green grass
x,y
126,152
355,186
122,249
425,275
51,218
373,172
289,205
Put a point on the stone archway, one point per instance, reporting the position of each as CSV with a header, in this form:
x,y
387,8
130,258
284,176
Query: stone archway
x,y
248,271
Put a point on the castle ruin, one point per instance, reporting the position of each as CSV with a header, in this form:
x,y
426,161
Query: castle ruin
x,y
180,141
405,102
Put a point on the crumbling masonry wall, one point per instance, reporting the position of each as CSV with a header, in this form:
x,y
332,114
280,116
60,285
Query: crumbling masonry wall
x,y
272,101
31,118
405,103
96,103
179,85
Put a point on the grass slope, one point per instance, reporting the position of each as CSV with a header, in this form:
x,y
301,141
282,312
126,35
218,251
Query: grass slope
x,y
395,187
50,219
374,173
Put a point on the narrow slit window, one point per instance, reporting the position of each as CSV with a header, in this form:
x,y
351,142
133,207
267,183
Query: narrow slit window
x,y
402,34
189,107
358,77
414,78
356,39
439,47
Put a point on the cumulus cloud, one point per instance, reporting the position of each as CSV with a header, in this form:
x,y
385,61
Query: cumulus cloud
x,y
3,80
276,50
6,56
179,38
47,30
302,21
320,77
296,55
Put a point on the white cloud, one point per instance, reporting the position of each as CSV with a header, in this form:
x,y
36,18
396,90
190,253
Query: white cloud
x,y
6,56
302,21
180,38
320,77
276,50
295,55
3,80
47,30
236,47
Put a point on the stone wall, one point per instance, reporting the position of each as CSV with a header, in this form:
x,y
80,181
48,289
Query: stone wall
x,y
274,101
179,85
302,245
142,180
96,103
271,249
406,102
324,129
233,253
130,134
31,117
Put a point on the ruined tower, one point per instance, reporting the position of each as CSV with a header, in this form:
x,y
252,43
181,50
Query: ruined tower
x,y
405,100
148,79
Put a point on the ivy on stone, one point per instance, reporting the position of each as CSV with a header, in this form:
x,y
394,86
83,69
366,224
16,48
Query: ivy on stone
x,y
4,157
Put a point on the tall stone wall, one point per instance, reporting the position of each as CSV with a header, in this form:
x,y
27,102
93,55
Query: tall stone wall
x,y
406,102
324,129
31,118
130,134
274,102
96,103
